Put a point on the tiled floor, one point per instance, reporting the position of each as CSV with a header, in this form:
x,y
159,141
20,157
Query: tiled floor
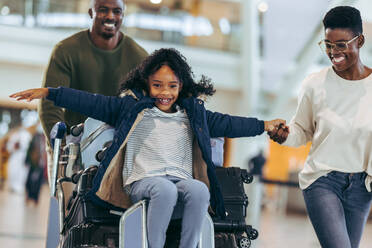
x,y
25,226
295,230
21,225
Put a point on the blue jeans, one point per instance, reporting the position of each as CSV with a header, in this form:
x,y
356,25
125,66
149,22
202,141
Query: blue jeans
x,y
172,197
338,205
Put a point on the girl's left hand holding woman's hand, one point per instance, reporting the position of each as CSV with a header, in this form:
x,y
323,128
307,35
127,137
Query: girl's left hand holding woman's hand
x,y
277,130
271,125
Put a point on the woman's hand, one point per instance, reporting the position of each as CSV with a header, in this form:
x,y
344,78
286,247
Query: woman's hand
x,y
279,134
273,124
277,130
31,94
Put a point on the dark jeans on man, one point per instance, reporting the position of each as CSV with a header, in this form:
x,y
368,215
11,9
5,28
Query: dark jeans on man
x,y
338,205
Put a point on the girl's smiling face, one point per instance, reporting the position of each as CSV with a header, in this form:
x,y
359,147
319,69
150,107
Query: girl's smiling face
x,y
165,87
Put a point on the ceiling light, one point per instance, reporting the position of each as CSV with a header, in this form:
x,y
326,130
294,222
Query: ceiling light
x,y
263,7
155,1
225,26
5,10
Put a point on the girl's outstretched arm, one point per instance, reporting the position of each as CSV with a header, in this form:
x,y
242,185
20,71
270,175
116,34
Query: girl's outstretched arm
x,y
31,94
224,125
103,108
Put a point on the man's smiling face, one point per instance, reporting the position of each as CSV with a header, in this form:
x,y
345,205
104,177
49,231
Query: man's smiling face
x,y
107,17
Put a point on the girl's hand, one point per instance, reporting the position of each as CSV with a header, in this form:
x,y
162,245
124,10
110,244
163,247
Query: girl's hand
x,y
272,125
278,133
31,94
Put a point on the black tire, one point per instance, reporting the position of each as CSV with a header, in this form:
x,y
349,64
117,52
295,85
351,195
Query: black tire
x,y
247,178
253,234
244,242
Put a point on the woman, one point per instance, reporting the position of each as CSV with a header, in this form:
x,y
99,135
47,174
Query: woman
x,y
334,113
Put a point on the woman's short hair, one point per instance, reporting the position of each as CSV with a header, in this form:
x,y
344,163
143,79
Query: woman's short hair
x,y
344,17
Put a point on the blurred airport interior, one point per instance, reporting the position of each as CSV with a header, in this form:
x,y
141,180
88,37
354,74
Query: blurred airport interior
x,y
257,52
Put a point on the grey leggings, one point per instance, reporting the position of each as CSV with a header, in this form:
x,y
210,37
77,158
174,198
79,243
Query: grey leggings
x,y
171,198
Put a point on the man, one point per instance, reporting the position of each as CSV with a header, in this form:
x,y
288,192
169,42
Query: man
x,y
94,60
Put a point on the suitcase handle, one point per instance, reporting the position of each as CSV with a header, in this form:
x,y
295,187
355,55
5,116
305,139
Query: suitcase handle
x,y
229,226
235,226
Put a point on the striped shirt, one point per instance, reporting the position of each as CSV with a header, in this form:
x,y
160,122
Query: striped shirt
x,y
161,144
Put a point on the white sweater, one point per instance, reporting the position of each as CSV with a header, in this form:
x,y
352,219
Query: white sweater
x,y
336,116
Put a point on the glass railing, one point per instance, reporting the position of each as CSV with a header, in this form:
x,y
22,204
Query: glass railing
x,y
207,24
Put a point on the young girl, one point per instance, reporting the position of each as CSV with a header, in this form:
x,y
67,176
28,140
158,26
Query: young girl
x,y
161,149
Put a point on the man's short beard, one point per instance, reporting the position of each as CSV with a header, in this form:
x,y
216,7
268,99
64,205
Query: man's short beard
x,y
107,36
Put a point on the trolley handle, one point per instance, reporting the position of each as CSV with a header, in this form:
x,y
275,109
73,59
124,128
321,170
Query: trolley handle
x,y
56,135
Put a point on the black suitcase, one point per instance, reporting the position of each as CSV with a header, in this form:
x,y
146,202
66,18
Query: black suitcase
x,y
173,236
231,240
92,235
86,224
83,211
80,210
233,231
223,240
232,181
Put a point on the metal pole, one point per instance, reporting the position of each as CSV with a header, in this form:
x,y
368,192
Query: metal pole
x,y
250,78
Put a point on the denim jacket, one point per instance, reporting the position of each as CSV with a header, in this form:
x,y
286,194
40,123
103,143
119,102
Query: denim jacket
x,y
125,112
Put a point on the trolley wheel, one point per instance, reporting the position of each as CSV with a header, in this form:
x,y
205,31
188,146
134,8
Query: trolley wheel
x,y
247,178
244,243
99,155
253,234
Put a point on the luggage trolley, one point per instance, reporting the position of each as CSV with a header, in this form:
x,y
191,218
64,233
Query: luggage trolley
x,y
81,222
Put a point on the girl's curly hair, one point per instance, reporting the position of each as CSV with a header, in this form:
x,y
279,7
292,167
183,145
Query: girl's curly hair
x,y
138,78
